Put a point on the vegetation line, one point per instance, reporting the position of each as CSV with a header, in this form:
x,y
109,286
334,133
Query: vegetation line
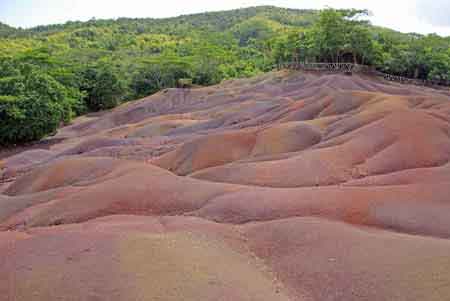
x,y
50,74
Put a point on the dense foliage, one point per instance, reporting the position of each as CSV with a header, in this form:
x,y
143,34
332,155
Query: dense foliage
x,y
341,35
49,74
32,103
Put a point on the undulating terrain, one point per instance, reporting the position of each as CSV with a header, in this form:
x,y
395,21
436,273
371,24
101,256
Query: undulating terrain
x,y
288,186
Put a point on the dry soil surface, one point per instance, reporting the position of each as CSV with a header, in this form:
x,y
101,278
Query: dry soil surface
x,y
288,186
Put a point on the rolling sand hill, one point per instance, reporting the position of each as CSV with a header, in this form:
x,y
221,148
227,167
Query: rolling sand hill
x,y
288,186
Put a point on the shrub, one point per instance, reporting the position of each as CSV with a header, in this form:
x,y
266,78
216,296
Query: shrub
x,y
103,88
185,83
38,111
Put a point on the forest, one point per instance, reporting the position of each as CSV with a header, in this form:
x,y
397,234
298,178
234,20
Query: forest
x,y
51,74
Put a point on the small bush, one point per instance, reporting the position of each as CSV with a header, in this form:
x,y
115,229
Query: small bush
x,y
185,83
37,111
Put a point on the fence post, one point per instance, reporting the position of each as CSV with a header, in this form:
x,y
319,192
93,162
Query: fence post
x,y
351,67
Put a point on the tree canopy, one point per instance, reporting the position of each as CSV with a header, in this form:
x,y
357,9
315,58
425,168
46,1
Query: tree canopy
x,y
48,74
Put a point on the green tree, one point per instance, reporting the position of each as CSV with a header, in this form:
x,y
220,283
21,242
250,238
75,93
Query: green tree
x,y
39,108
360,42
102,87
329,34
100,63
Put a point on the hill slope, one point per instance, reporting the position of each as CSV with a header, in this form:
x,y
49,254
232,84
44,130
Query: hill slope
x,y
81,67
287,186
6,30
213,21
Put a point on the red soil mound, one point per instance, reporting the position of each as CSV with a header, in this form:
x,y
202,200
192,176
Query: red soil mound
x,y
288,186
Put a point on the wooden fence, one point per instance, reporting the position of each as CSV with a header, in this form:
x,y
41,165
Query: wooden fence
x,y
325,67
412,81
349,68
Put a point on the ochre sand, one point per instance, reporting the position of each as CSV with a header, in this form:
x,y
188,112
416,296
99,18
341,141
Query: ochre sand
x,y
287,186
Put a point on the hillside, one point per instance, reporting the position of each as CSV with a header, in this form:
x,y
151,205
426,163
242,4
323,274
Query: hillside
x,y
6,30
64,71
166,159
285,186
211,21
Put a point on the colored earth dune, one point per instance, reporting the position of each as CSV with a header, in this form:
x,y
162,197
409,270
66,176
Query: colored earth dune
x,y
288,186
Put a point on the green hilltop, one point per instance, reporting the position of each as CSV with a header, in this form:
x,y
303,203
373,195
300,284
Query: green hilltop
x,y
69,69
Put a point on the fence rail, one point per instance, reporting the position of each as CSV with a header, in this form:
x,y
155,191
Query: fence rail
x,y
356,68
330,67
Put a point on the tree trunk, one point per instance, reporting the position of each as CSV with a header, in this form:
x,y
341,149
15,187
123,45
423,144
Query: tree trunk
x,y
416,73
